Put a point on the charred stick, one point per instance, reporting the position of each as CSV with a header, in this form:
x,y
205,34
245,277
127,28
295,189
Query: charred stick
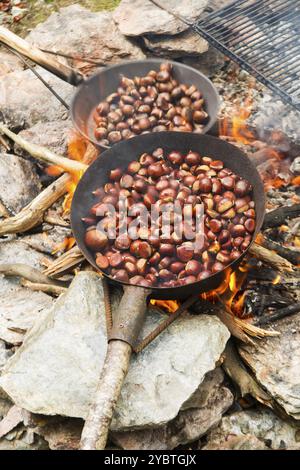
x,y
33,213
282,313
43,154
280,215
271,258
291,255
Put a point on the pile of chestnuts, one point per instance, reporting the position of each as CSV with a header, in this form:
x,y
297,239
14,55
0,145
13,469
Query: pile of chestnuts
x,y
154,103
189,180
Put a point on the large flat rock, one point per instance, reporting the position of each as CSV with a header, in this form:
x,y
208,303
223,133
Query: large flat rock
x,y
19,183
199,415
276,364
77,31
9,63
53,135
25,101
138,17
57,368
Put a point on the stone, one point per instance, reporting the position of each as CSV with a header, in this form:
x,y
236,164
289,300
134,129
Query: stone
x,y
77,31
275,363
9,63
16,251
19,183
187,43
246,442
53,135
209,63
56,369
196,417
261,423
61,433
25,101
138,17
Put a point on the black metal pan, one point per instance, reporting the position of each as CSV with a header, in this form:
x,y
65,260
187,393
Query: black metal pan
x,y
130,315
99,86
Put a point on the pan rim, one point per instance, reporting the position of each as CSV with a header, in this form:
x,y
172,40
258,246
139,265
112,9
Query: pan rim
x,y
229,266
210,124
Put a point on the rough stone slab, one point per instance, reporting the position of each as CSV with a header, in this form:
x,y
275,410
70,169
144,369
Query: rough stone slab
x,y
77,31
72,337
276,364
24,99
211,400
53,135
187,43
246,442
260,423
138,17
9,63
5,354
16,251
19,183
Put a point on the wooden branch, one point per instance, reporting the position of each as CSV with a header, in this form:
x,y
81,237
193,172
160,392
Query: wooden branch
x,y
43,154
33,213
291,255
65,263
56,220
41,58
271,258
237,372
281,215
51,289
29,273
282,313
95,431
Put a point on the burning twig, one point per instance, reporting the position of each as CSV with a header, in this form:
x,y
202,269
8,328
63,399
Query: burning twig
x,y
51,289
65,263
280,215
33,213
271,258
282,313
30,274
238,373
43,154
291,255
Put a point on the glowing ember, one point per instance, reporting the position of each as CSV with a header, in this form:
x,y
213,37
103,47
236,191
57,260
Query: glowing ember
x,y
66,245
296,181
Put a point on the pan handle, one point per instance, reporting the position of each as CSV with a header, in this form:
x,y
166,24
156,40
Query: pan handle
x,y
41,58
127,325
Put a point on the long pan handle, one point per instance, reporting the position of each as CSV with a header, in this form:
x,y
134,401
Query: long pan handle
x,y
122,340
18,44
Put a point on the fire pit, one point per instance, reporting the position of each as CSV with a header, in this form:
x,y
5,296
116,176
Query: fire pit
x,y
256,298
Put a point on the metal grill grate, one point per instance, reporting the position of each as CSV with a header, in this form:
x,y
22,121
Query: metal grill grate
x,y
263,37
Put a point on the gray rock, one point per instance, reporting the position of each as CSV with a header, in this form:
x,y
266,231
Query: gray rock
x,y
276,364
246,442
19,309
211,400
73,339
16,251
24,100
261,423
53,135
138,17
48,241
19,183
9,63
187,43
209,63
77,31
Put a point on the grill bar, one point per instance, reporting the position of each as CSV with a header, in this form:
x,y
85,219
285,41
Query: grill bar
x,y
263,37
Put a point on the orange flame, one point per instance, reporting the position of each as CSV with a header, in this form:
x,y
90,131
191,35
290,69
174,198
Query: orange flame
x,y
296,181
169,305
65,245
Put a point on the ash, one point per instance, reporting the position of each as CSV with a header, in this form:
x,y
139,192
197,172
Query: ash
x,y
272,113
